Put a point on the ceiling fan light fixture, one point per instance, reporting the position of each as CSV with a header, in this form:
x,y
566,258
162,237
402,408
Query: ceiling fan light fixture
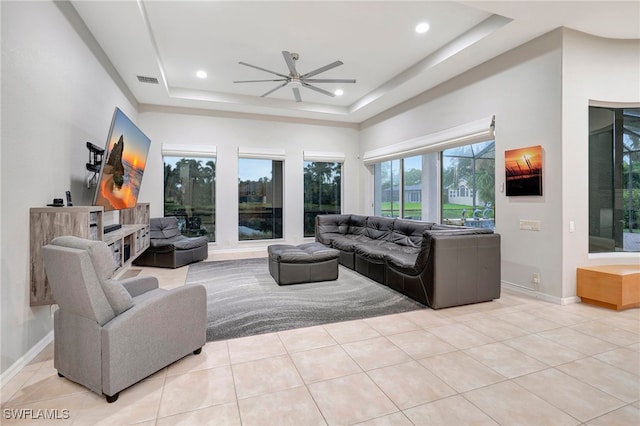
x,y
295,83
422,27
339,92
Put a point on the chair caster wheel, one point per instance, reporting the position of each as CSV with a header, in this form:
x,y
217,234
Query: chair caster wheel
x,y
197,351
113,398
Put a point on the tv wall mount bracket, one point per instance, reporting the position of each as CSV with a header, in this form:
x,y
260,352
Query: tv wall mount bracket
x,y
94,164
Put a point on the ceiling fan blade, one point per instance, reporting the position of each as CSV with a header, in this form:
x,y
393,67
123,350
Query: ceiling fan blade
x,y
263,69
259,81
329,80
296,93
274,89
323,69
290,63
317,89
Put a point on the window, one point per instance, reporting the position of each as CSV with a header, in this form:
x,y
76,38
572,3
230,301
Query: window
x,y
614,179
260,188
322,191
468,185
387,187
396,177
189,194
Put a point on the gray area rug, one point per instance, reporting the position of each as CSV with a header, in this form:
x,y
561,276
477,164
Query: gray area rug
x,y
244,300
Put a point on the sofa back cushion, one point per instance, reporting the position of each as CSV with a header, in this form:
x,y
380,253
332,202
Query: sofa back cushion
x,y
378,227
408,232
164,227
332,223
357,224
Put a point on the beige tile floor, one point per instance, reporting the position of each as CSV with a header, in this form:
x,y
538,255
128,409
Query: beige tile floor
x,y
514,361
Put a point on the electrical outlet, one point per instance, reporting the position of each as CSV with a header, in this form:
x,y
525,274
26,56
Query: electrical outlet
x,y
536,280
530,225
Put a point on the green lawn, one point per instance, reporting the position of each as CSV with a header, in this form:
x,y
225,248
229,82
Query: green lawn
x,y
449,211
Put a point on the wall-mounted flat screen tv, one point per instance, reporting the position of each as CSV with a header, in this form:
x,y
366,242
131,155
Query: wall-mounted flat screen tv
x,y
123,164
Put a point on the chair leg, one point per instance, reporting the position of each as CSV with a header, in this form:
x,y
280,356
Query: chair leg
x,y
113,398
197,351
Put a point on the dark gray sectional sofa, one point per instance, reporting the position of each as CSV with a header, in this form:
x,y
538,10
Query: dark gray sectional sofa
x,y
438,265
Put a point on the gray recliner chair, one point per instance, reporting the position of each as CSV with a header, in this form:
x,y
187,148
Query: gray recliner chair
x,y
109,335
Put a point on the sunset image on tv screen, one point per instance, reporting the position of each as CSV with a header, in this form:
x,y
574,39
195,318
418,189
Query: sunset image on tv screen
x,y
125,160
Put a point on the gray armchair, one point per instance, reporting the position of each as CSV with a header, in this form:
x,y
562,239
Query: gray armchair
x,y
170,249
111,334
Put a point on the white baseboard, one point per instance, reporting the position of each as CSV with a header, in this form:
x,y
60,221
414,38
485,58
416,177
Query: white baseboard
x,y
24,360
538,295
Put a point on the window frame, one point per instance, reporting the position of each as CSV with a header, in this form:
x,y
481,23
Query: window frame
x,y
198,153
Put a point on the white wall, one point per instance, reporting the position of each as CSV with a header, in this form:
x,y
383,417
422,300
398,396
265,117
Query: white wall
x,y
594,69
56,94
523,89
195,127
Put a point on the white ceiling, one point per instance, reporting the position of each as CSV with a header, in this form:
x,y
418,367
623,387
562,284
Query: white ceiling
x,y
171,40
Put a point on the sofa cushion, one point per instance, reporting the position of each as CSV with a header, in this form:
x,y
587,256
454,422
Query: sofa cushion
x,y
187,243
334,224
357,224
403,262
304,253
164,227
179,242
378,228
375,250
408,232
347,242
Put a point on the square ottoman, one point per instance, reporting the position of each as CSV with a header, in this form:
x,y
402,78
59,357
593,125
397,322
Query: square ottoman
x,y
305,263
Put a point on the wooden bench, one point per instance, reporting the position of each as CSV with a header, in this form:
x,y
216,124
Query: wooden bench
x,y
610,286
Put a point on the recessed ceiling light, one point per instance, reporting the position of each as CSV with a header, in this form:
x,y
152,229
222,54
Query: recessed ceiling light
x,y
201,74
338,92
422,28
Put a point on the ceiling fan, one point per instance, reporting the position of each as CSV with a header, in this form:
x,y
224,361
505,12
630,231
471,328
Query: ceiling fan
x,y
295,80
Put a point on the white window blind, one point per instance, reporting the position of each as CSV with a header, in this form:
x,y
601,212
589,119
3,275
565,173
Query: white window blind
x,y
328,157
475,131
264,153
171,150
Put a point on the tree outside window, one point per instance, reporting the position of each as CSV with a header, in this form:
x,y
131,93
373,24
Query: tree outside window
x,y
260,199
322,192
614,179
189,194
468,185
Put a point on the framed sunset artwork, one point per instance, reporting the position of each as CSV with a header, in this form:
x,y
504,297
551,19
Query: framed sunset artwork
x,y
523,171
